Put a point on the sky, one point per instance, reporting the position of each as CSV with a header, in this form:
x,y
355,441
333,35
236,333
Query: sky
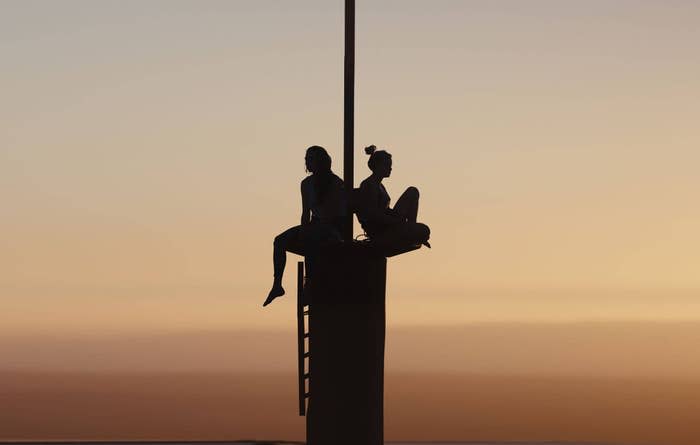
x,y
151,151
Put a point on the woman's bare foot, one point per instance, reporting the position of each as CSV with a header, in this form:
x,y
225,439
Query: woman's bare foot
x,y
276,291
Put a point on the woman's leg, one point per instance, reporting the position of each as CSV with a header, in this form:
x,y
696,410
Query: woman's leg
x,y
402,236
315,236
289,240
407,205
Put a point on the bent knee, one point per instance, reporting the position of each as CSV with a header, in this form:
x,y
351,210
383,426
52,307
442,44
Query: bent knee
x,y
413,191
279,241
423,230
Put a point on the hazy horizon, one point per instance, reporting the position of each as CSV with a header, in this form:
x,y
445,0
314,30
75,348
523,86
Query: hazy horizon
x,y
418,407
598,349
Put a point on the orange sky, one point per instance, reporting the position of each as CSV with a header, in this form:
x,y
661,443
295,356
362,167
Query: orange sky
x,y
150,152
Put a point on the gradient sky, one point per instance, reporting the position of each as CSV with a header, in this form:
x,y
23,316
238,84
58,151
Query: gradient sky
x,y
150,151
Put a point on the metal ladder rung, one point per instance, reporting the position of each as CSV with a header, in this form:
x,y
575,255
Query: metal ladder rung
x,y
302,334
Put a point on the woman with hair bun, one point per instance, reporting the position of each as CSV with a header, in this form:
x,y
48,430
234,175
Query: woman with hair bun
x,y
392,229
322,216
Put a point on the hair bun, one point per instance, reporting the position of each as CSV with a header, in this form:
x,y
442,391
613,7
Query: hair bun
x,y
371,149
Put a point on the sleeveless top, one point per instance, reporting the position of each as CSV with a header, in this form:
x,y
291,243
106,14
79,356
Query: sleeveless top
x,y
369,188
333,207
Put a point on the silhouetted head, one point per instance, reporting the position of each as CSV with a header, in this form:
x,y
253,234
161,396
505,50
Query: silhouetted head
x,y
317,160
379,161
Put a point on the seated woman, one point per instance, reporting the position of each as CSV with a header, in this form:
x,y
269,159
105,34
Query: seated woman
x,y
391,229
323,210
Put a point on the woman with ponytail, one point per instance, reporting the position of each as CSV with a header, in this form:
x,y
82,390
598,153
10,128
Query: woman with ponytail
x,y
322,215
392,229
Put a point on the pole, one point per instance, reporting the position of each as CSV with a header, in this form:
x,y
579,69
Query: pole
x,y
349,113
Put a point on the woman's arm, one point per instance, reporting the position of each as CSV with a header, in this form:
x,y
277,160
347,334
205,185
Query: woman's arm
x,y
371,209
305,203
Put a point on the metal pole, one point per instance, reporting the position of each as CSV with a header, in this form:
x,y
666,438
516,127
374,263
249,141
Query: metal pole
x,y
349,113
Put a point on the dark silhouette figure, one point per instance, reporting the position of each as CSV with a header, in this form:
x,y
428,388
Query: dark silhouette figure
x,y
323,209
390,229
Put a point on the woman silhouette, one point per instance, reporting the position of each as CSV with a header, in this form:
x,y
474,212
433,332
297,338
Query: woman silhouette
x,y
322,215
395,229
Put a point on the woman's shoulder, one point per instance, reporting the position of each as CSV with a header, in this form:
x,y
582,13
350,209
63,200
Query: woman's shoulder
x,y
368,183
337,180
307,182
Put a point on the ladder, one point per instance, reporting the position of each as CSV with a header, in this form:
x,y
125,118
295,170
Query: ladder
x,y
303,341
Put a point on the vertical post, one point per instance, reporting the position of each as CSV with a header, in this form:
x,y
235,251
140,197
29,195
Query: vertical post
x,y
349,113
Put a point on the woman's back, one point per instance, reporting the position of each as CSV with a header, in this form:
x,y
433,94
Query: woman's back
x,y
327,199
373,202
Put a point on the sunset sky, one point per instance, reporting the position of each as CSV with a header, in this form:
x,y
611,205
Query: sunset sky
x,y
150,152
